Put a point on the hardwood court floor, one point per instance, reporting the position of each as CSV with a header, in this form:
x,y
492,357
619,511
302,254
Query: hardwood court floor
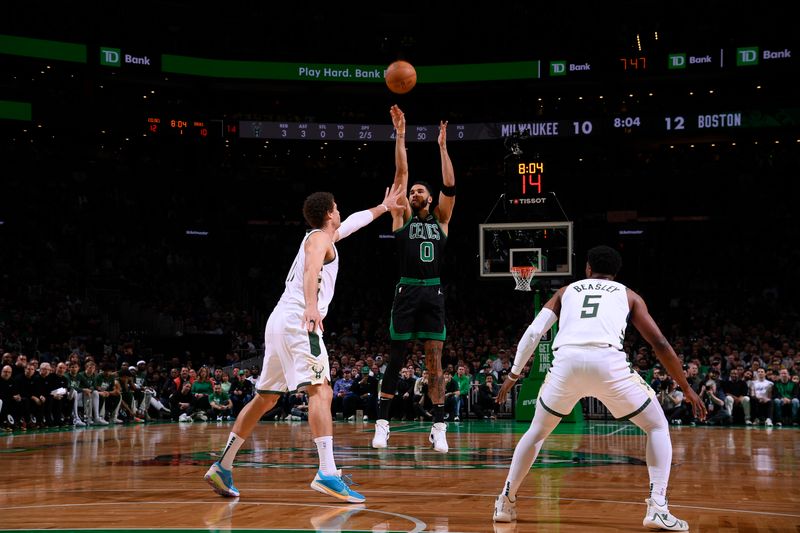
x,y
588,478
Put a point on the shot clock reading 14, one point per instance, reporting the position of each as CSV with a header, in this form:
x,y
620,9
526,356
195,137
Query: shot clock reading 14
x,y
531,175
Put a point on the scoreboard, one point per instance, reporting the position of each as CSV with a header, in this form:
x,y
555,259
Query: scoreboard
x,y
183,126
673,123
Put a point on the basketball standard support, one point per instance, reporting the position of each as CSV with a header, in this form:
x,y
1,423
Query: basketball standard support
x,y
542,360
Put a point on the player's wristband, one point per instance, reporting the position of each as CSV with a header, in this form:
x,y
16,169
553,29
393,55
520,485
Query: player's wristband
x,y
512,379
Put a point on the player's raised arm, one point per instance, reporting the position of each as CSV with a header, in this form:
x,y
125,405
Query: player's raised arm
x,y
359,219
447,196
399,216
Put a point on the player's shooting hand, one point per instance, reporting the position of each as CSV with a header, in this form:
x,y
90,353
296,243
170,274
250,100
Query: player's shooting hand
x,y
694,400
503,392
398,119
442,133
312,320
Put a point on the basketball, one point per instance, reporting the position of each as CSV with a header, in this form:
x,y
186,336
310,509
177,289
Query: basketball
x,y
401,77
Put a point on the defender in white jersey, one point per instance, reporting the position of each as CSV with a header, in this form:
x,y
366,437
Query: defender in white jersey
x,y
588,361
294,353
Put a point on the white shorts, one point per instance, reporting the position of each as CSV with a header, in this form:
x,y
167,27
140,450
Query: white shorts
x,y
293,357
604,373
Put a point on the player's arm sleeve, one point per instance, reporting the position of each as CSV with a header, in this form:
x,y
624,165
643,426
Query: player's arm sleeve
x,y
355,222
530,339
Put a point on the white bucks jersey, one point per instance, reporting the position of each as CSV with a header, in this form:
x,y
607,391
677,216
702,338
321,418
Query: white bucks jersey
x,y
593,312
326,280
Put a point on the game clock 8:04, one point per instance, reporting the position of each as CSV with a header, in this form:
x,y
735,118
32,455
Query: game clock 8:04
x,y
627,122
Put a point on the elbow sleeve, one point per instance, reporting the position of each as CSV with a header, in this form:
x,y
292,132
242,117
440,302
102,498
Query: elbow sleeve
x,y
355,222
530,339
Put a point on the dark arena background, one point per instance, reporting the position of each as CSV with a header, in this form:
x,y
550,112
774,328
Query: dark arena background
x,y
154,159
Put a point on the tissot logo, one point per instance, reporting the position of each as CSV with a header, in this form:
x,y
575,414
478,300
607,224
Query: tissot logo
x,y
110,57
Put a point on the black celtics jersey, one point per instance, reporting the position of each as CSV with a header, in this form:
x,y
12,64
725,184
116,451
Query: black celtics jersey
x,y
421,245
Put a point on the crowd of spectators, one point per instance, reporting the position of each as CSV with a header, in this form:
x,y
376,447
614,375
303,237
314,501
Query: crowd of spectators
x,y
749,387
746,375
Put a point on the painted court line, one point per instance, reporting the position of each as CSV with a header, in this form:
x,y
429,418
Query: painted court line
x,y
419,525
412,519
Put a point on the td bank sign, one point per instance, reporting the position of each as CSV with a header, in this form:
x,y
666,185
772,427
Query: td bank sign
x,y
113,57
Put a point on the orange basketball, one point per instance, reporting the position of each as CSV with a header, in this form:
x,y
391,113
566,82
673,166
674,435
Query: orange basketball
x,y
401,77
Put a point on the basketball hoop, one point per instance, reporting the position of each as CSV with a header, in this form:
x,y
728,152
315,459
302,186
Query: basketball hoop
x,y
523,276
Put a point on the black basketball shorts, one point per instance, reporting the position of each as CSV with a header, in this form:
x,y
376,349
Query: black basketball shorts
x,y
418,313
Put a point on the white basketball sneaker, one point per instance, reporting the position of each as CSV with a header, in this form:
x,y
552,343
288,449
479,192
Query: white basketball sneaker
x,y
504,509
381,438
659,517
438,437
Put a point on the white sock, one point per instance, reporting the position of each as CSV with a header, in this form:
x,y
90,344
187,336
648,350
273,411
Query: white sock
x,y
230,451
527,449
325,451
658,494
155,403
96,404
659,450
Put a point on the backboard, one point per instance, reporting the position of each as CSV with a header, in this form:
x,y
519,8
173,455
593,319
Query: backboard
x,y
545,245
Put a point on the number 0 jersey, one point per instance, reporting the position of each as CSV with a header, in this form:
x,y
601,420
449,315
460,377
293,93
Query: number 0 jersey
x,y
421,243
293,293
593,312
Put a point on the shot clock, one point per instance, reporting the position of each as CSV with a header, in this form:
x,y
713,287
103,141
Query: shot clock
x,y
529,175
529,195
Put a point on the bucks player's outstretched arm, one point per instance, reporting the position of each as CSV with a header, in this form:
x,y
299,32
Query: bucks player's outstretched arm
x,y
642,321
403,213
359,219
447,196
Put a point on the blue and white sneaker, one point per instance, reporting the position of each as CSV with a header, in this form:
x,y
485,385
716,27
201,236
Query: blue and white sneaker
x,y
221,481
337,486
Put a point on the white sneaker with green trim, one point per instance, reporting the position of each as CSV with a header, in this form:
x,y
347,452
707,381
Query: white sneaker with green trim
x,y
659,517
504,509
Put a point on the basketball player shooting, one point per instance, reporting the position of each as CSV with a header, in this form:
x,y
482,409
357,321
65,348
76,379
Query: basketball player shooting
x,y
418,308
588,361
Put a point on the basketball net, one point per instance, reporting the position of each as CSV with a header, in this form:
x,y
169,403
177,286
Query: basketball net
x,y
523,276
